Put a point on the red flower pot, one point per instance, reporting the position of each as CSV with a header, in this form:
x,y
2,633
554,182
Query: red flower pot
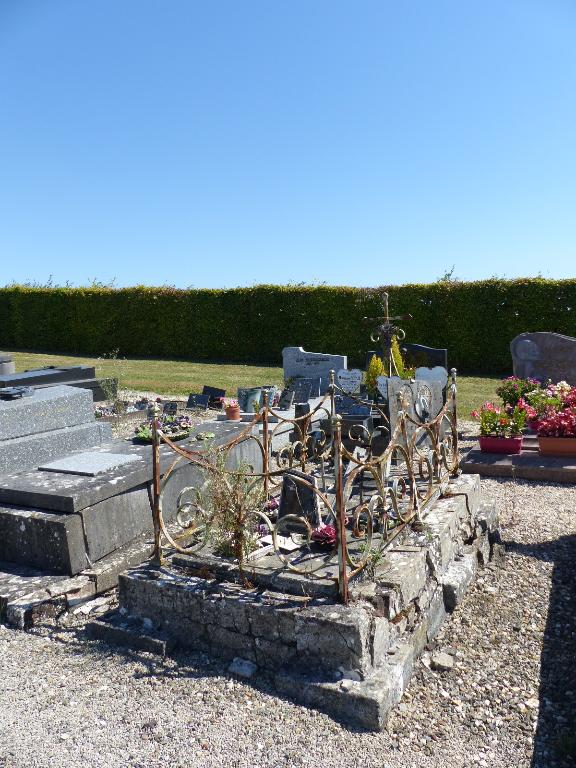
x,y
507,445
233,413
557,446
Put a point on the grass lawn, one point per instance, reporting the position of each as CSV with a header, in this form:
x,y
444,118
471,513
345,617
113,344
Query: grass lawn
x,y
179,377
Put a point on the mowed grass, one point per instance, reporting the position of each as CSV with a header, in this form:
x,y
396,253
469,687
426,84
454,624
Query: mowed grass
x,y
180,377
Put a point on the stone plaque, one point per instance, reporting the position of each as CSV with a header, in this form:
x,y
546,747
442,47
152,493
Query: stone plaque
x,y
302,390
214,395
286,399
297,362
299,499
170,408
438,373
349,381
89,463
198,401
544,356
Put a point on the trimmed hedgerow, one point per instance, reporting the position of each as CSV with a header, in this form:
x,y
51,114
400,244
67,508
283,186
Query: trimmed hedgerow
x,y
475,321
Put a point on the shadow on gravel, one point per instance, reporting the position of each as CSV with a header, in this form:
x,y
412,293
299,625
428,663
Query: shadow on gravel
x,y
555,738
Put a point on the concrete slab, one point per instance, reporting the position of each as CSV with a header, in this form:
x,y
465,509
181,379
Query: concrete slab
x,y
88,463
25,453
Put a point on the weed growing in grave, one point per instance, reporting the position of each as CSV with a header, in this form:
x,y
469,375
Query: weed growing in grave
x,y
231,500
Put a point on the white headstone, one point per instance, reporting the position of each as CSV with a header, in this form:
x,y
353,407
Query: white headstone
x,y
311,365
349,381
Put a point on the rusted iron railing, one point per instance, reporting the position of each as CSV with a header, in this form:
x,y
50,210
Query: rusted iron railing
x,y
368,493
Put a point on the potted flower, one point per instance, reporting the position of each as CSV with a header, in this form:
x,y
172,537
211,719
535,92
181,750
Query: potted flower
x,y
557,433
500,428
512,389
232,409
538,403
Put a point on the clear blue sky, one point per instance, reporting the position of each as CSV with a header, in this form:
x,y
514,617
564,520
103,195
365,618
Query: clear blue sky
x,y
231,143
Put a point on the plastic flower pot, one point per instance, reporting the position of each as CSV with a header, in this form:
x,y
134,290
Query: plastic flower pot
x,y
508,445
556,446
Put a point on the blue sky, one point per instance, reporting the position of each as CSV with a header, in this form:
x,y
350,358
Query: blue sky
x,y
232,143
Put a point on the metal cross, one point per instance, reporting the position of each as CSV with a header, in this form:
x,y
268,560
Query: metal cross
x,y
384,333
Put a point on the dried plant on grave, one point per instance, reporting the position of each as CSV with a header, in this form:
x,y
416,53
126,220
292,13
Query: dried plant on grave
x,y
232,500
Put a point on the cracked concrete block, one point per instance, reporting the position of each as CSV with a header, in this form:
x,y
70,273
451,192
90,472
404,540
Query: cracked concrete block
x,y
405,572
436,613
381,640
335,636
457,579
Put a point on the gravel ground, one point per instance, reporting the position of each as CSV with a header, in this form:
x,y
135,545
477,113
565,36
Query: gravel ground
x,y
510,699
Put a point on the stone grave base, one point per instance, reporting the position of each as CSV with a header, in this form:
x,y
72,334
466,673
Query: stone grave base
x,y
527,465
355,661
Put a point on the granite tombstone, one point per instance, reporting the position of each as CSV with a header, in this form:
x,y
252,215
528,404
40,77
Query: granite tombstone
x,y
299,498
299,363
544,356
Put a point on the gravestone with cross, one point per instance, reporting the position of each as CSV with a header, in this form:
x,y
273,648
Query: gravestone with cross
x,y
384,332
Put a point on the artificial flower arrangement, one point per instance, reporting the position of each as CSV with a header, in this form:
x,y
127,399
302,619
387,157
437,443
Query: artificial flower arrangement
x,y
174,427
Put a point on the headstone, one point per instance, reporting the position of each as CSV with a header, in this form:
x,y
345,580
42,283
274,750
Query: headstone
x,y
544,356
286,399
247,397
214,395
422,400
302,390
417,355
438,373
89,463
297,362
314,384
198,401
170,408
349,381
299,499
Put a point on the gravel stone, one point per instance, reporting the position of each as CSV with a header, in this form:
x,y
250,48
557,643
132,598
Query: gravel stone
x,y
510,699
441,662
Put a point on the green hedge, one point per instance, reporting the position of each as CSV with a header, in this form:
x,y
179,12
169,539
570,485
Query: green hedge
x,y
475,321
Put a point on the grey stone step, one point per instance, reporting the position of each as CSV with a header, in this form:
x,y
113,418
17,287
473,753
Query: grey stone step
x,y
23,453
45,411
117,628
527,465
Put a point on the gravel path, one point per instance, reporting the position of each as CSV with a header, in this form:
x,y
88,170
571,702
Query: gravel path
x,y
510,699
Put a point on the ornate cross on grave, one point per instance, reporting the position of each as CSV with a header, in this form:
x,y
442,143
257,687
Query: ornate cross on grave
x,y
385,332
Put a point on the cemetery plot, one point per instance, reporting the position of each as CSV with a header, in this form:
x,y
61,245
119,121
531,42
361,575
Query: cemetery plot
x,y
327,569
